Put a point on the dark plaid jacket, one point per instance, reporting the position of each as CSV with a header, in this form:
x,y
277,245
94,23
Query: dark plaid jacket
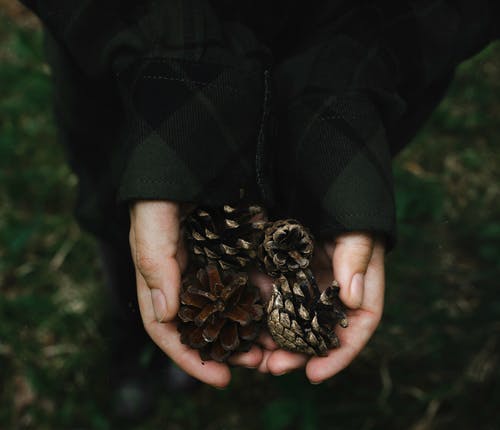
x,y
194,100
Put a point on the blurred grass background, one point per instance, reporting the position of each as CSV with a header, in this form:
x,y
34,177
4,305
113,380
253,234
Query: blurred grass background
x,y
433,363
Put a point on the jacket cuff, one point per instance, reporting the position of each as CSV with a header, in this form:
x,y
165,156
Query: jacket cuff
x,y
337,176
192,130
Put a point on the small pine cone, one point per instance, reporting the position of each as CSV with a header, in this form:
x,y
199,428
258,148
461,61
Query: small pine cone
x,y
228,236
287,247
302,319
220,313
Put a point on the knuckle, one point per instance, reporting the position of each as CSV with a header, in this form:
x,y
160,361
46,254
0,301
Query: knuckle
x,y
172,247
147,265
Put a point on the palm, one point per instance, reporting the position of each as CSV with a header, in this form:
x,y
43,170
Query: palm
x,y
362,321
160,258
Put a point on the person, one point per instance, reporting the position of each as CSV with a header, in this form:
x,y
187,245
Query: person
x,y
163,103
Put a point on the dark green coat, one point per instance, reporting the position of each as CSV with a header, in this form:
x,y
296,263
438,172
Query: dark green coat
x,y
194,100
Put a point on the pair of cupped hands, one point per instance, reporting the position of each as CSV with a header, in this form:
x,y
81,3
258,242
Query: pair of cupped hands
x,y
355,260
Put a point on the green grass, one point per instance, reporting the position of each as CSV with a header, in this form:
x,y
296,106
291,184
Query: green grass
x,y
431,364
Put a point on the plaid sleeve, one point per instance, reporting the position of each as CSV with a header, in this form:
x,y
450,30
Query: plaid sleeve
x,y
192,130
191,87
347,91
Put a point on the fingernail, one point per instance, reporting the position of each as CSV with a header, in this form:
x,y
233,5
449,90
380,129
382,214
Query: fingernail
x,y
220,388
281,374
159,304
315,383
357,288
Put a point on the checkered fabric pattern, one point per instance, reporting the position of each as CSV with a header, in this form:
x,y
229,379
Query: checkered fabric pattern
x,y
193,100
198,127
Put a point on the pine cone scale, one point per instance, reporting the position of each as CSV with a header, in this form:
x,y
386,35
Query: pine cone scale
x,y
207,312
217,353
193,300
212,330
239,315
229,339
198,292
187,314
195,337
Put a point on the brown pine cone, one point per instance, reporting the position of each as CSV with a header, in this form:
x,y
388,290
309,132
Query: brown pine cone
x,y
227,236
287,247
302,319
220,313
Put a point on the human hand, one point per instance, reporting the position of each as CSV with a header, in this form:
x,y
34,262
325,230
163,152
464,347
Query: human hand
x,y
357,261
160,257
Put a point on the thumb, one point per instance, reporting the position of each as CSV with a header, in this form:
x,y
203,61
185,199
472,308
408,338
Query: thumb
x,y
154,242
350,257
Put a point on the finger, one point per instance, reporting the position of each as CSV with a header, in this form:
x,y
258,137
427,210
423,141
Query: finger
x,y
362,324
320,368
281,362
350,259
250,359
266,341
166,336
263,364
373,300
154,241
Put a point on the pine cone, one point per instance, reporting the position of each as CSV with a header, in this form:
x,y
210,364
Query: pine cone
x,y
227,236
300,318
287,247
220,313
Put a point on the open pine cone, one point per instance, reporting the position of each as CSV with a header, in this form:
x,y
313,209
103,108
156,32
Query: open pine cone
x,y
301,318
220,313
227,236
287,247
